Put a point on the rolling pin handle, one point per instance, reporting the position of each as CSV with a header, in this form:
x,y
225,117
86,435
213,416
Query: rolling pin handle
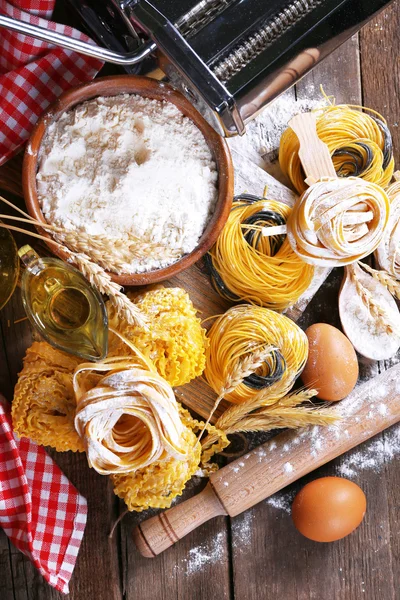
x,y
162,531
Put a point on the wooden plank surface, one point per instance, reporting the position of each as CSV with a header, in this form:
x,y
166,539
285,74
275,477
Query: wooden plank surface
x,y
258,554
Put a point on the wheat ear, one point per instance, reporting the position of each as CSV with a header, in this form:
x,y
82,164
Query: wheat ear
x,y
112,254
280,413
390,283
377,311
284,418
242,369
97,276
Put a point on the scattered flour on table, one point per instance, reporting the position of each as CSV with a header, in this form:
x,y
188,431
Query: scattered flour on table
x,y
263,134
204,554
282,500
128,166
242,530
373,456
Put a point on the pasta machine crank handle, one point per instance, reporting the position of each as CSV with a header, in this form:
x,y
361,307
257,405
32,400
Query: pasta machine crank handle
x,y
58,39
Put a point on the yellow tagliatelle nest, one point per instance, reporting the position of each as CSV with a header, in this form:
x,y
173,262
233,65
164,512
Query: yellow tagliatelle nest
x,y
239,333
130,418
246,265
174,340
43,407
359,142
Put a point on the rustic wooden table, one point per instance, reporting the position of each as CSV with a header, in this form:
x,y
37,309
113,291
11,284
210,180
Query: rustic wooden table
x,y
258,554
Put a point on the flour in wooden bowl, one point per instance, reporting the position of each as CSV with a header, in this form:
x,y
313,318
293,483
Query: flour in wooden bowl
x,y
128,166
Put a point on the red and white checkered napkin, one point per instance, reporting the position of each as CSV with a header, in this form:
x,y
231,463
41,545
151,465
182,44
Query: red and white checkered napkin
x,y
40,510
32,73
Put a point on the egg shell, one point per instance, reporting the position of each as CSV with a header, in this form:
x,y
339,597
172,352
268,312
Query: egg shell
x,y
332,366
328,509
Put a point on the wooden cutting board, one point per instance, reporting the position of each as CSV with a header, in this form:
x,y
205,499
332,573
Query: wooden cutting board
x,y
248,178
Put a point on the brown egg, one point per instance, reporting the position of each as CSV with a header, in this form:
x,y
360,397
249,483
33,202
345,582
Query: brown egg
x,y
328,509
332,366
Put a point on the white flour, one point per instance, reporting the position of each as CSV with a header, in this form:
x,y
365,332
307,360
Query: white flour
x,y
129,166
371,456
202,555
263,134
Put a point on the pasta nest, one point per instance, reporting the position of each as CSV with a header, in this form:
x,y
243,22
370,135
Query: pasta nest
x,y
358,139
156,485
130,418
43,408
175,341
338,221
242,331
246,265
388,251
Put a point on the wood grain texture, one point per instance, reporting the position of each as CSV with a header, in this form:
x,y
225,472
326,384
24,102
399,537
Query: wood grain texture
x,y
313,153
272,466
380,70
257,555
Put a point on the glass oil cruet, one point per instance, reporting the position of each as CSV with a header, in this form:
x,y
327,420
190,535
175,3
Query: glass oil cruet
x,y
9,266
60,303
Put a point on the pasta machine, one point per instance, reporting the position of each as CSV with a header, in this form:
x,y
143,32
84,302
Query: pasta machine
x,y
230,58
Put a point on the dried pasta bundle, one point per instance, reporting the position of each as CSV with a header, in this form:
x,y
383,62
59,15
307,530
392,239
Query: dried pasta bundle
x,y
130,418
244,332
246,265
174,341
358,139
388,250
44,404
338,221
156,485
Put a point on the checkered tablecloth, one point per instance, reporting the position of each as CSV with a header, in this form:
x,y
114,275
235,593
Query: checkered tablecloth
x,y
40,510
32,73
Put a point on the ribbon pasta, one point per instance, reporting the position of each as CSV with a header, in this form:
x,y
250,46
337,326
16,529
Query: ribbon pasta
x,y
130,418
358,139
388,251
247,265
242,330
338,221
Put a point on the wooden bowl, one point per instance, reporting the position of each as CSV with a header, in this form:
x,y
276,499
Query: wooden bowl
x,y
149,88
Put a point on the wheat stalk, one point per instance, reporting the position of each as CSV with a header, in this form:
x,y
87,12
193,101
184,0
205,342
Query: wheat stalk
x,y
380,314
98,277
390,283
284,418
279,413
243,368
113,254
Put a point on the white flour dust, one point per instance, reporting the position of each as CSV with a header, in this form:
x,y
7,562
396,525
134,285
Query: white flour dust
x,y
261,142
202,555
242,530
125,167
373,456
282,500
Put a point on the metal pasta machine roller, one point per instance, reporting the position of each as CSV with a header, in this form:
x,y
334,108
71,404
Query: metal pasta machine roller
x,y
230,58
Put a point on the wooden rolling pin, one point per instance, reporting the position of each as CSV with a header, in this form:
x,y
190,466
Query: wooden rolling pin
x,y
370,408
